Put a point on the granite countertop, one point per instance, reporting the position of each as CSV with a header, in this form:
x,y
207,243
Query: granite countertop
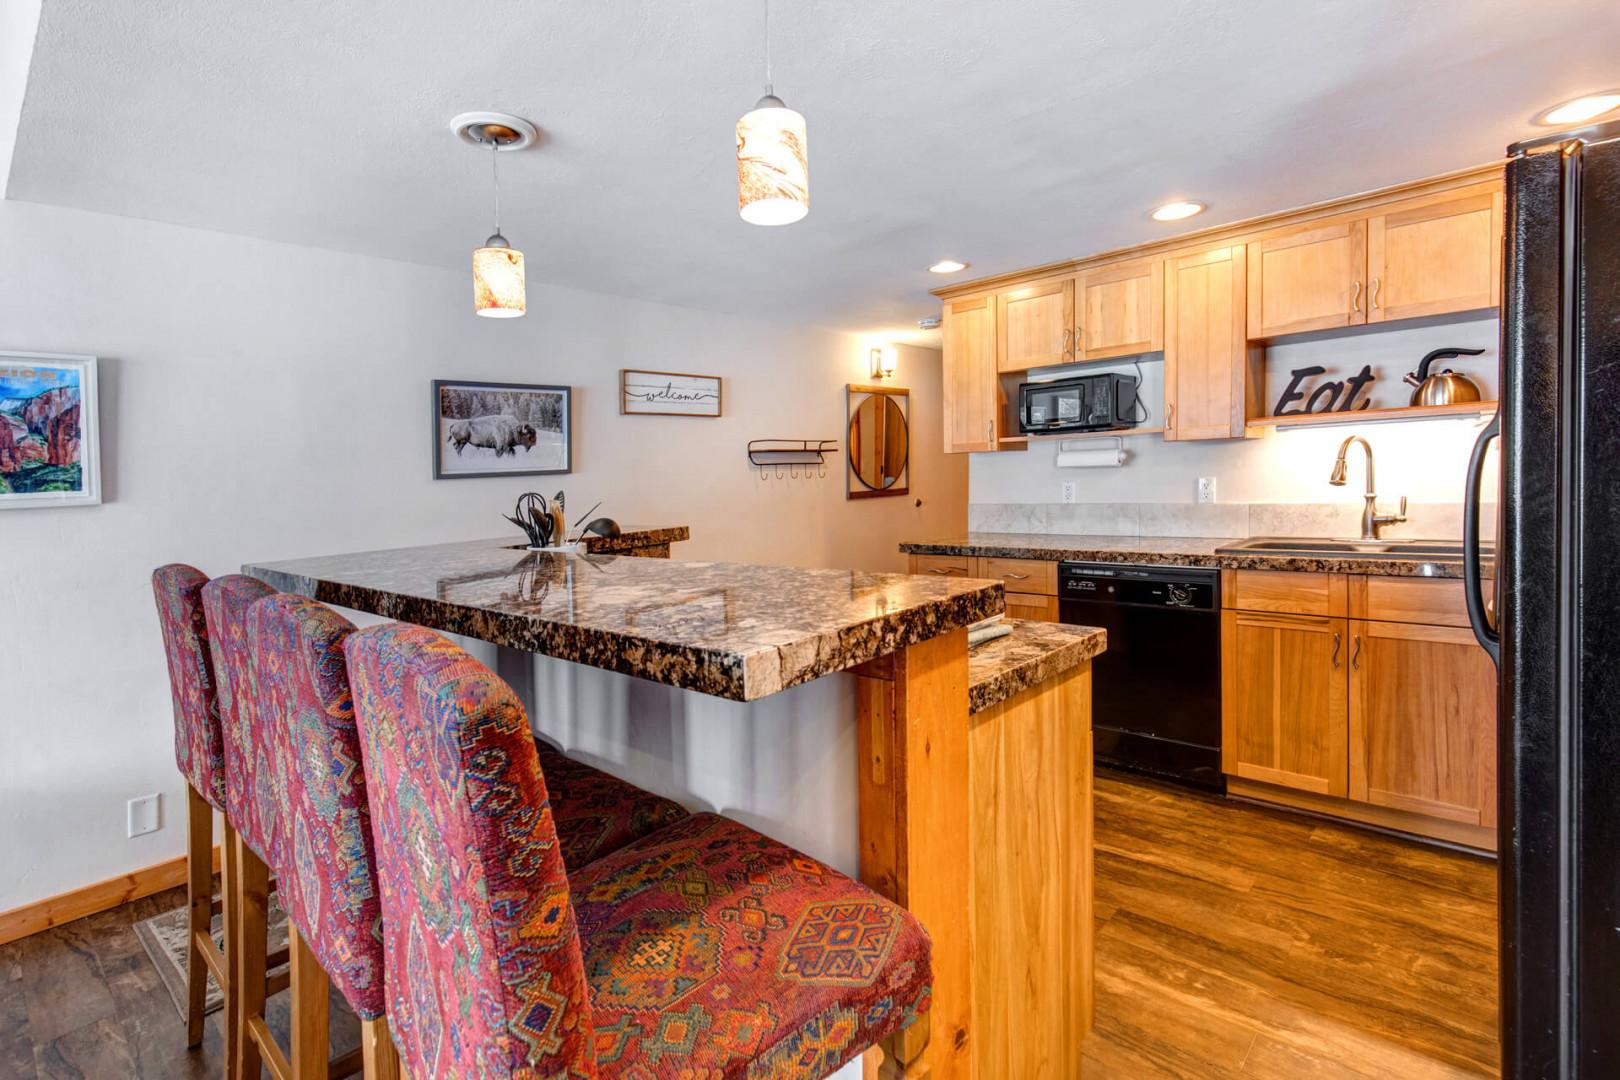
x,y
1175,551
1031,654
729,629
632,538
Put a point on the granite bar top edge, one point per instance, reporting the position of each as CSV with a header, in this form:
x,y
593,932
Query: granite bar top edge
x,y
631,539
1191,551
1033,653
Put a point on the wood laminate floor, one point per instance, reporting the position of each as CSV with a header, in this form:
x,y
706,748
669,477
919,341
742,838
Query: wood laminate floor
x,y
1232,941
1235,941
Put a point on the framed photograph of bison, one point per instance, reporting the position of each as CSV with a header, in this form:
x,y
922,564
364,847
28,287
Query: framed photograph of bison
x,y
50,452
501,429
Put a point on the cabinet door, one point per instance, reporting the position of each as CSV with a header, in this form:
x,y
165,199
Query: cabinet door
x,y
1205,345
1283,693
1036,324
1423,721
1436,255
971,395
1032,606
1120,310
1313,278
945,565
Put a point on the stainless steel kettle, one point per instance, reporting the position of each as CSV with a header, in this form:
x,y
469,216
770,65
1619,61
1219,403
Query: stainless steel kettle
x,y
1446,388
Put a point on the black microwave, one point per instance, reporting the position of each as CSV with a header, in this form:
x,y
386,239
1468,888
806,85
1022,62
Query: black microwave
x,y
1104,402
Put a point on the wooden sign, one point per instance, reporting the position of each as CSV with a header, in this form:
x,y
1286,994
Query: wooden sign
x,y
1325,396
668,393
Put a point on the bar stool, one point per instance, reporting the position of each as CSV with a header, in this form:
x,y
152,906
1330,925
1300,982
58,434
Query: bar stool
x,y
702,949
307,754
596,813
199,752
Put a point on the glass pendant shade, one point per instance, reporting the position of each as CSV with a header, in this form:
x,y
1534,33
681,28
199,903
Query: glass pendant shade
x,y
773,165
499,290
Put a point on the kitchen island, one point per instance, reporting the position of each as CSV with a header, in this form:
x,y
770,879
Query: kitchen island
x,y
764,634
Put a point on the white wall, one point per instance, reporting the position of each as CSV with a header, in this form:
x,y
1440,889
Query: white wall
x,y
264,401
1424,460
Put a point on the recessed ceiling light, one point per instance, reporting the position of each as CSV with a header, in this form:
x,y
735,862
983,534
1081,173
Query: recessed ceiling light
x,y
1175,211
947,266
1582,109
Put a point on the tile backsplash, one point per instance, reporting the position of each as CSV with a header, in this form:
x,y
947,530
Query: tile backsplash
x,y
1429,521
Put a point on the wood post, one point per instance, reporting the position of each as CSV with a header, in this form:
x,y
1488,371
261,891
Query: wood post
x,y
250,904
377,1051
912,736
199,908
311,998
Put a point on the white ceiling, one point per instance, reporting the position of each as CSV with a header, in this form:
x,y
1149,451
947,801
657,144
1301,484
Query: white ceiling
x,y
1006,134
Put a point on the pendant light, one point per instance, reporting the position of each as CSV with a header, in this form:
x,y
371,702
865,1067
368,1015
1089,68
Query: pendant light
x,y
773,162
499,286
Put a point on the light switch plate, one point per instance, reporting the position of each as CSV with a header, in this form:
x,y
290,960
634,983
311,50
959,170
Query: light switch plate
x,y
1068,491
145,815
1206,489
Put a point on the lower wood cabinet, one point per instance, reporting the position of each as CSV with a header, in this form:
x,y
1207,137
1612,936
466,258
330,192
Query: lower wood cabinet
x,y
1032,606
1283,697
1031,584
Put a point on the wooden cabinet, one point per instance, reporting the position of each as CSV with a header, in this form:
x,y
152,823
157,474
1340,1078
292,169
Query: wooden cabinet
x,y
1283,700
1309,278
1036,325
1031,584
1120,309
1032,606
1435,255
1206,351
945,565
1422,721
971,398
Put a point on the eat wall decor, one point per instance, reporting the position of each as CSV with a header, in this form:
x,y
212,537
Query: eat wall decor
x,y
1330,395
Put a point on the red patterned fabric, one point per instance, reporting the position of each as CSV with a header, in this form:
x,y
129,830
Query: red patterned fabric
x,y
226,601
483,967
596,813
321,850
713,951
710,951
198,749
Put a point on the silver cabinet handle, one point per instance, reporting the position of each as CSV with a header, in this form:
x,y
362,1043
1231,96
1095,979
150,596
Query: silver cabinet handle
x,y
939,570
1017,577
1355,296
1372,298
1337,641
1169,415
990,433
1355,652
1079,341
1068,344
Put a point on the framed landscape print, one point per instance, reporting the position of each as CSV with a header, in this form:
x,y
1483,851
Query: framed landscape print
x,y
50,452
501,429
668,393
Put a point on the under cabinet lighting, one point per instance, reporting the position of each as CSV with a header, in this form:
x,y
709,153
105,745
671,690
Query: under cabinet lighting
x,y
947,266
1175,211
1582,109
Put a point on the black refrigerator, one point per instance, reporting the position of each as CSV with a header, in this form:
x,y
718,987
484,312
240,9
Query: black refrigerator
x,y
1553,624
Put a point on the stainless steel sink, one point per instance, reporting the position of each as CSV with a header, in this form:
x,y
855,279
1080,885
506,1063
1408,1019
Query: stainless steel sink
x,y
1303,545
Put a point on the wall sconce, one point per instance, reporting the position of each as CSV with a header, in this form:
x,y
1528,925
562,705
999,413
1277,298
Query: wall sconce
x,y
883,362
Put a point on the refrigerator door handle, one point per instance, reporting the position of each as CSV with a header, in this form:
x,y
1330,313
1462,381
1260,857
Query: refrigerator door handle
x,y
1479,616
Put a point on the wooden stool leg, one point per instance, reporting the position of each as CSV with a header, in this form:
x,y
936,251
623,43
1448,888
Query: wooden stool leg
x,y
199,907
251,907
377,1051
311,997
229,886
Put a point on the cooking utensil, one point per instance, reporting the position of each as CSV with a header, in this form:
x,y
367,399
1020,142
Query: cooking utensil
x,y
1446,388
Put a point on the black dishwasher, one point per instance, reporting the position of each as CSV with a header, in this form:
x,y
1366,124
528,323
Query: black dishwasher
x,y
1156,691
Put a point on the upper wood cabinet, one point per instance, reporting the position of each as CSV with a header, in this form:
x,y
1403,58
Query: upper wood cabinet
x,y
1309,278
1435,255
1036,325
1205,348
971,399
1422,721
1120,309
1283,700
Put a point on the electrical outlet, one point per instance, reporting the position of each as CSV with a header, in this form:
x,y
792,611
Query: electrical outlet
x,y
1068,491
145,815
1206,489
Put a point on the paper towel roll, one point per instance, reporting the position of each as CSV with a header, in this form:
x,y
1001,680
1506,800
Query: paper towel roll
x,y
1090,459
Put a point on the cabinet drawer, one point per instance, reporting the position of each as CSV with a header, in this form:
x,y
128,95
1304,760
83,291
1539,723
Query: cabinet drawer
x,y
953,565
1411,600
1284,591
1032,606
1021,575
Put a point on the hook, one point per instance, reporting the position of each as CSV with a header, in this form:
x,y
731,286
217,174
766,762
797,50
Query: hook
x,y
821,469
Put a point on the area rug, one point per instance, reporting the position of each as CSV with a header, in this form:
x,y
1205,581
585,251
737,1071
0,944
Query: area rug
x,y
164,939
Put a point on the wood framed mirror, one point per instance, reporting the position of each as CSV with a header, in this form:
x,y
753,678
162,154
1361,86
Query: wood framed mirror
x,y
878,461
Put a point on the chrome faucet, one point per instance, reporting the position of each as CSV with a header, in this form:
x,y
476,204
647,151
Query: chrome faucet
x,y
1371,519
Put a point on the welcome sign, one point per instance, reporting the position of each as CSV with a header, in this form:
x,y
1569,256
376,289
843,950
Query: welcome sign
x,y
668,393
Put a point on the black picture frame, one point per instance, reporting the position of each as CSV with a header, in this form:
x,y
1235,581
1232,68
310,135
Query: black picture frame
x,y
504,447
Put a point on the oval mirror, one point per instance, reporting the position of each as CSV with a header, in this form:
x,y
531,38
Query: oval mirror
x,y
878,442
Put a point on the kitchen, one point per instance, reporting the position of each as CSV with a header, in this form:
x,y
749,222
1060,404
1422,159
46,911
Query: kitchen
x,y
994,625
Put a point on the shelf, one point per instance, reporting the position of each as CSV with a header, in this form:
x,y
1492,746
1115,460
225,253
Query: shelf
x,y
1373,416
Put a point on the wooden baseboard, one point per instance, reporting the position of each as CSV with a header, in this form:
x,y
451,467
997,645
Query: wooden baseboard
x,y
90,899
1475,837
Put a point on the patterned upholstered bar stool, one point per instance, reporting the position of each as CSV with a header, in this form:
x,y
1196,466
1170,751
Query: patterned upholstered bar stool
x,y
199,752
703,949
315,823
